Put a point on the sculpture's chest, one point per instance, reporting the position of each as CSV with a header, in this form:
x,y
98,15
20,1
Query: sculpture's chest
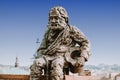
x,y
51,37
64,39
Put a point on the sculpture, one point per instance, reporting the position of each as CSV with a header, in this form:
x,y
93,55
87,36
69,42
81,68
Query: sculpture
x,y
64,48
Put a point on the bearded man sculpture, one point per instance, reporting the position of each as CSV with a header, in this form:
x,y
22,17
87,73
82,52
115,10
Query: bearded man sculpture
x,y
64,48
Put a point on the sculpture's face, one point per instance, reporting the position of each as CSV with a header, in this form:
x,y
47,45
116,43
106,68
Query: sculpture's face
x,y
56,21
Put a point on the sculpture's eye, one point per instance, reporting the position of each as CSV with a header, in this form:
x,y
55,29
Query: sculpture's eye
x,y
51,17
56,17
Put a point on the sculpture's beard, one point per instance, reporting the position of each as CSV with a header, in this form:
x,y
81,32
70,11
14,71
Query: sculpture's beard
x,y
56,26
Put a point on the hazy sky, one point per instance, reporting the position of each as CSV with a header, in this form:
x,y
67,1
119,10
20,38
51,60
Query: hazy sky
x,y
23,21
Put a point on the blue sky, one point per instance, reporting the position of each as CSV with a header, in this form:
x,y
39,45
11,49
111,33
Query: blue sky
x,y
23,21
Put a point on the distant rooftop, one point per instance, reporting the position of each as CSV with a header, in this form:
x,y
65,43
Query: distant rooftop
x,y
14,71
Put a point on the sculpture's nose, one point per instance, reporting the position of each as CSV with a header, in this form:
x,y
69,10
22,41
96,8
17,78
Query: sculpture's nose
x,y
53,20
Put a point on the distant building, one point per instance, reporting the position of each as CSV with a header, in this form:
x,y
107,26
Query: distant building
x,y
16,62
14,72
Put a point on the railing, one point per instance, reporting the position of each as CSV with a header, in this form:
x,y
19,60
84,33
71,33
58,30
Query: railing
x,y
14,77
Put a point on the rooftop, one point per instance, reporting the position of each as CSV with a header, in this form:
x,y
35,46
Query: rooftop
x,y
14,71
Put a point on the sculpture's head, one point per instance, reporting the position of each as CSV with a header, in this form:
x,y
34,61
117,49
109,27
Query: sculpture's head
x,y
58,18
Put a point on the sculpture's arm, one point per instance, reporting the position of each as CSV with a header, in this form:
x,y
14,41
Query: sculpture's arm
x,y
84,44
43,45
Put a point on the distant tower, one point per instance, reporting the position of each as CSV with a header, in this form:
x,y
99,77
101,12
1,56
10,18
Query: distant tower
x,y
16,62
110,71
110,75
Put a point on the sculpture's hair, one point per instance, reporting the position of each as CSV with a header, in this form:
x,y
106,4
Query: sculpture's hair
x,y
61,11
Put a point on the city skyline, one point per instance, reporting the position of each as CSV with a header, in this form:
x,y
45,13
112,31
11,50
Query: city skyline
x,y
24,21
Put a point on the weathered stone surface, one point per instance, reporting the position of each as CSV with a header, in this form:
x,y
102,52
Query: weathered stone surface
x,y
64,49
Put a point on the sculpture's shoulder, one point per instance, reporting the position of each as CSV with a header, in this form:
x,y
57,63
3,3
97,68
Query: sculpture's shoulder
x,y
75,30
47,31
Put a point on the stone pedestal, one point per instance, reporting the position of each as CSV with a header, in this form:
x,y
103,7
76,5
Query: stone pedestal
x,y
68,77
